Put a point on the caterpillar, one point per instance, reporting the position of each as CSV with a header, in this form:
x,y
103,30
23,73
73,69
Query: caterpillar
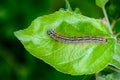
x,y
80,39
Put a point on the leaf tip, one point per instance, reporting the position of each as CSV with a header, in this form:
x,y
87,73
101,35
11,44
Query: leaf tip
x,y
101,3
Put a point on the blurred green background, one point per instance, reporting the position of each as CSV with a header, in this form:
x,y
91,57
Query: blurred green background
x,y
15,62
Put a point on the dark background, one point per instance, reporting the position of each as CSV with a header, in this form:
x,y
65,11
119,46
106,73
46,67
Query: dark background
x,y
15,62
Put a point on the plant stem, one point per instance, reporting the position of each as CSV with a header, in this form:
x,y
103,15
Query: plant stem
x,y
113,68
106,17
117,34
113,23
68,5
96,76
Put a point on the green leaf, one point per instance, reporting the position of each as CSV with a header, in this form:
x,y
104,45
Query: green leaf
x,y
101,3
116,58
70,58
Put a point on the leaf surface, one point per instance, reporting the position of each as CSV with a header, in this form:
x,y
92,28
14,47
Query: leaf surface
x,y
116,57
70,58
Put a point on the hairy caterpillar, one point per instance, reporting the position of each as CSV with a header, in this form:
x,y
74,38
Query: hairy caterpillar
x,y
80,39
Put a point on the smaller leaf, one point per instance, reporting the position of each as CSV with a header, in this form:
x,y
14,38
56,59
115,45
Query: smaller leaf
x,y
116,58
101,3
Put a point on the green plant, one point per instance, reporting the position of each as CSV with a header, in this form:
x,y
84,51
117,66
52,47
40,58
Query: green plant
x,y
74,59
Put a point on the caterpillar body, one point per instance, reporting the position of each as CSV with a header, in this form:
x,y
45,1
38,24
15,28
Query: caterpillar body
x,y
79,39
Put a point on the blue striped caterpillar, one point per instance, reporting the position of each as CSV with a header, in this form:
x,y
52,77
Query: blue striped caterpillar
x,y
80,39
